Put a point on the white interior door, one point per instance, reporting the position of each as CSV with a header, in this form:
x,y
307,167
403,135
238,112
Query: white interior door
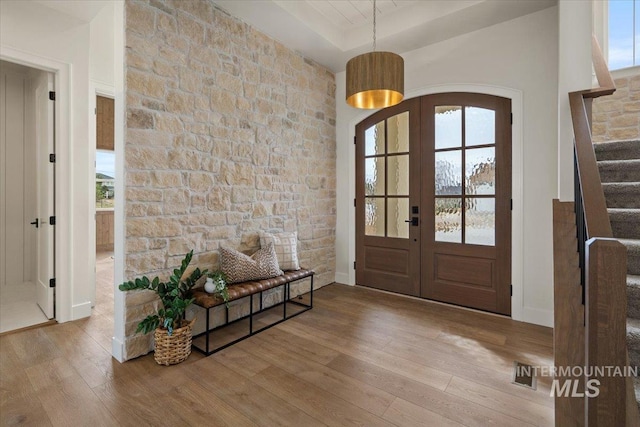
x,y
45,190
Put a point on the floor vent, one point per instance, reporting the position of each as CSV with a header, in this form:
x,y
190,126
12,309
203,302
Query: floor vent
x,y
524,375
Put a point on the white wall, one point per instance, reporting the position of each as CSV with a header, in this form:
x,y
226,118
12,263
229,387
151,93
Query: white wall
x,y
520,57
33,31
574,73
101,60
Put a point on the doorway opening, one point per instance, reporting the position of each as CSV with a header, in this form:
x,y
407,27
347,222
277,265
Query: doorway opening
x,y
27,211
105,167
433,200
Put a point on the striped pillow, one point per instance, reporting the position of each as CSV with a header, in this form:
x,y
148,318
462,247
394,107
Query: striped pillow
x,y
240,267
286,246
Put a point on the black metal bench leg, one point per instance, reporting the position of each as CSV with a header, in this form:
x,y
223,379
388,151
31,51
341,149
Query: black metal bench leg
x,y
207,334
284,300
251,314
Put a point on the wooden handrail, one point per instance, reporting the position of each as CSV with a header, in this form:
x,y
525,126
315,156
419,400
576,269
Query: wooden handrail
x,y
595,206
605,80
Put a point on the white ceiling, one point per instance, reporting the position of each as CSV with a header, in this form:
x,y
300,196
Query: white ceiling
x,y
332,31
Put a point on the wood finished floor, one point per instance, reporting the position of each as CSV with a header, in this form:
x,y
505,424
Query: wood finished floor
x,y
359,357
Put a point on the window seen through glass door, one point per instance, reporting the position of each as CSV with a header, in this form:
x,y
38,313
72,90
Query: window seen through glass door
x,y
387,177
465,164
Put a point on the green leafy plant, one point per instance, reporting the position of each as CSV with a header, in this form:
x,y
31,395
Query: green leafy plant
x,y
220,281
175,296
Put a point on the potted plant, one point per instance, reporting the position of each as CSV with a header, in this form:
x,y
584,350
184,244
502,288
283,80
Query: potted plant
x,y
217,284
172,333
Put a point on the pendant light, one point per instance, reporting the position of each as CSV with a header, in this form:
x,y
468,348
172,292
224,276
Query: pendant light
x,y
375,79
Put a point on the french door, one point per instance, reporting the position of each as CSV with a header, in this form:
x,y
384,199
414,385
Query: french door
x,y
433,216
387,189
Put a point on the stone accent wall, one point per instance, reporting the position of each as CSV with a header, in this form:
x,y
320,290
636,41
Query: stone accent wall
x,y
617,117
228,132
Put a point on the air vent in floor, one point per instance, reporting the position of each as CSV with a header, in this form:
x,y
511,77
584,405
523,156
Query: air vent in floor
x,y
524,375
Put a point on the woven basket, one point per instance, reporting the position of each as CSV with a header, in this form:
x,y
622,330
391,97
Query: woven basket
x,y
174,348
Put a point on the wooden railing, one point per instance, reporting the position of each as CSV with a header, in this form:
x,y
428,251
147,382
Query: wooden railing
x,y
601,324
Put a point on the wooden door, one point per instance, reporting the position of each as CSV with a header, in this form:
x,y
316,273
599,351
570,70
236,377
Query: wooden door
x,y
104,123
387,192
466,197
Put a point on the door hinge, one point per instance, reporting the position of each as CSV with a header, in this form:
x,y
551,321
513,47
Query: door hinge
x,y
354,140
52,158
354,265
52,220
511,117
52,282
511,204
511,290
52,96
354,203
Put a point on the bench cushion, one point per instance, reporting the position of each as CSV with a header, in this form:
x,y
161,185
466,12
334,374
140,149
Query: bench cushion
x,y
239,290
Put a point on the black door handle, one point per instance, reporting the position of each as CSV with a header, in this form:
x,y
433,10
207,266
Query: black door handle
x,y
414,221
35,222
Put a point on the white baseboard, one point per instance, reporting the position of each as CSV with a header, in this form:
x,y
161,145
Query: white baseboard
x,y
343,278
80,311
117,349
537,316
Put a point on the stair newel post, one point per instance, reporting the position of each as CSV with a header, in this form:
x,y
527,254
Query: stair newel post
x,y
605,335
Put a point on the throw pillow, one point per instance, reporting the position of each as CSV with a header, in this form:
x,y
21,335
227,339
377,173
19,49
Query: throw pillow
x,y
240,267
286,246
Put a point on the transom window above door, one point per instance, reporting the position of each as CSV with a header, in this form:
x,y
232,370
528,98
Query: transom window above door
x,y
387,177
465,175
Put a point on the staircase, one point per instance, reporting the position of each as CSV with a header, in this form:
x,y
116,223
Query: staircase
x,y
619,165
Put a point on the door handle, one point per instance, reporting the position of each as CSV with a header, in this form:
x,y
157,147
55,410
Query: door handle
x,y
35,222
414,221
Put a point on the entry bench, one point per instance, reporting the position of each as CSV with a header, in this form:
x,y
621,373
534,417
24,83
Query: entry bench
x,y
237,291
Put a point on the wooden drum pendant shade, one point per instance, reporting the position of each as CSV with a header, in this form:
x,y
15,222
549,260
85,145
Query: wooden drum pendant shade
x,y
375,80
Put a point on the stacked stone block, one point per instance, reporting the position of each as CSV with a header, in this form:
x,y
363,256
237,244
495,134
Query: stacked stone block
x,y
617,117
228,132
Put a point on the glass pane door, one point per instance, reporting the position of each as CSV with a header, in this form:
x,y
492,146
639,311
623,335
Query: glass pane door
x,y
465,171
386,177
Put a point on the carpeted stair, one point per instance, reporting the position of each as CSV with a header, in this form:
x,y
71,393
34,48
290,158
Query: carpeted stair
x,y
619,164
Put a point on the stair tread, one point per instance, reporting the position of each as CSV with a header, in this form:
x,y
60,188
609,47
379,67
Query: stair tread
x,y
622,170
600,146
619,162
621,184
630,242
622,194
625,222
611,150
624,210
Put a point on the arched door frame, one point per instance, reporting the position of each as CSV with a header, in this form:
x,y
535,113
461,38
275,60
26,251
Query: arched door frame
x,y
517,218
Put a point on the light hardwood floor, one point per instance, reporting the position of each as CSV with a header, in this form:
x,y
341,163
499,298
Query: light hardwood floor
x,y
360,357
